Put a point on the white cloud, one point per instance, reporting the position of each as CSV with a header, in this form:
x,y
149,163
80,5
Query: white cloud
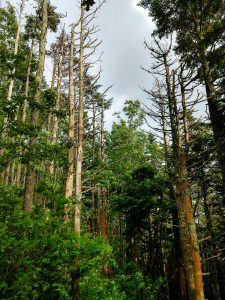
x,y
123,29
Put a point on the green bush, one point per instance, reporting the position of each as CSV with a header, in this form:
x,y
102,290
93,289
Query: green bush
x,y
95,287
42,258
137,287
39,255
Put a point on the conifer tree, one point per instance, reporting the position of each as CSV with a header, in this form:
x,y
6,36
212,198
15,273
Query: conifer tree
x,y
30,175
187,228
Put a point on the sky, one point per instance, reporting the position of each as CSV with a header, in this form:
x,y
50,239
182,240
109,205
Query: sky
x,y
123,28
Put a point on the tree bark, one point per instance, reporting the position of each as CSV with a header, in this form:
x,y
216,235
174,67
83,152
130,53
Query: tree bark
x,y
184,111
4,178
30,180
54,69
55,119
180,278
103,190
79,162
188,236
71,129
25,107
104,220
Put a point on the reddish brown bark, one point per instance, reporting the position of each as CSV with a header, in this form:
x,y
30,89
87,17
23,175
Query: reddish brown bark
x,y
188,237
103,221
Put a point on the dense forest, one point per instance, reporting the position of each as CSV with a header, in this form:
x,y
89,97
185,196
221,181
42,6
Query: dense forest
x,y
132,212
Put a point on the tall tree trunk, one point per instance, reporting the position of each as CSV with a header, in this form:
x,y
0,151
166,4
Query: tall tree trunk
x,y
103,190
54,69
184,111
188,236
79,162
31,175
175,146
25,107
71,129
55,119
177,257
103,219
98,218
5,173
93,190
69,184
16,47
215,280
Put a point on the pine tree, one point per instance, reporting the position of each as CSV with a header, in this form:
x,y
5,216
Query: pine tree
x,y
30,176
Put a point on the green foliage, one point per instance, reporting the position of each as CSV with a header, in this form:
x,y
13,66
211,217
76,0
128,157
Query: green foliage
x,y
199,27
35,263
53,17
98,288
8,28
126,148
134,113
39,254
120,287
141,193
138,287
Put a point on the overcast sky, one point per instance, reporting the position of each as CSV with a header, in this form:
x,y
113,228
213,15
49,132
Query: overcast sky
x,y
123,29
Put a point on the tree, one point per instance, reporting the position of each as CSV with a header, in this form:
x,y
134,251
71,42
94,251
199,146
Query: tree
x,y
30,176
5,173
199,28
71,127
187,228
55,119
87,48
44,10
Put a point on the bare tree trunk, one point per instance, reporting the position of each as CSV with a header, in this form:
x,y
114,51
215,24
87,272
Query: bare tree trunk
x,y
25,107
188,235
55,119
5,173
103,190
177,259
69,184
16,47
79,162
52,84
185,210
184,110
71,129
93,218
30,180
98,218
215,279
104,220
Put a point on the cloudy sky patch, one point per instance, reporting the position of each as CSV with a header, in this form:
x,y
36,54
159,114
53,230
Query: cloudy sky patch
x,y
123,29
